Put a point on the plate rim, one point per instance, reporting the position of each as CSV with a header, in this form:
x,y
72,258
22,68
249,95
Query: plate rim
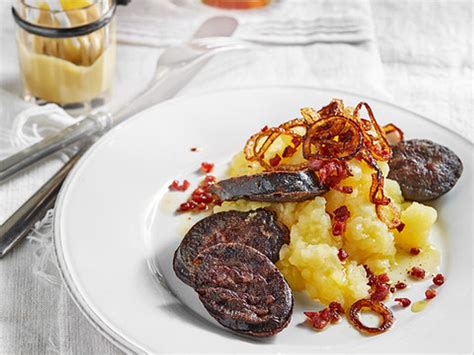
x,y
117,339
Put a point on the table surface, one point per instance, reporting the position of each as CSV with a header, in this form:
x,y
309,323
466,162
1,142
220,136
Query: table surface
x,y
426,51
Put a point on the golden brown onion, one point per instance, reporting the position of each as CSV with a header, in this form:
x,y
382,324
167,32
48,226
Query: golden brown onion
x,y
393,133
382,311
334,137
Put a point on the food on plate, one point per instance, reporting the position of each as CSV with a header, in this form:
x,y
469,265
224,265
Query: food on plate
x,y
243,290
282,186
354,238
259,229
379,308
329,315
424,170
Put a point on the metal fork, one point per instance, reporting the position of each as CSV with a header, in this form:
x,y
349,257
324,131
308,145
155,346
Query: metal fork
x,y
174,64
184,60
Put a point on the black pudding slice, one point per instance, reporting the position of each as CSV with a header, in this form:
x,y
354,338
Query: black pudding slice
x,y
425,170
243,290
259,229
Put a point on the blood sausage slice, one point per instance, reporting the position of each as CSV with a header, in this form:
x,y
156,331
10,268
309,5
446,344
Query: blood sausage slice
x,y
425,170
271,187
243,290
259,229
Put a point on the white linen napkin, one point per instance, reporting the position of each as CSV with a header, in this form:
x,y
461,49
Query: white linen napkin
x,y
295,22
327,43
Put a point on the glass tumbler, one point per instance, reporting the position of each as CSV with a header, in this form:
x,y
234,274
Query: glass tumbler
x,y
67,50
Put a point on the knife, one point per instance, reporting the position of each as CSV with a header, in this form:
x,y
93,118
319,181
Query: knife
x,y
18,225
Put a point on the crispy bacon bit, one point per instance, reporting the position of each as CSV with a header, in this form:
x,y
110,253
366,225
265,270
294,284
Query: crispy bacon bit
x,y
201,198
320,319
342,255
296,141
400,285
382,311
417,273
340,217
206,168
383,278
264,128
331,314
289,151
331,172
380,293
336,311
430,294
438,280
379,285
415,251
176,186
343,189
370,276
400,227
275,160
404,302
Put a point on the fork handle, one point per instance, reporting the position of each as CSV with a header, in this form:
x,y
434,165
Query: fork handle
x,y
87,127
17,227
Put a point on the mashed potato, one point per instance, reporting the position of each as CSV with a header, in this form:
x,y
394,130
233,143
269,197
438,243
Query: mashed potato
x,y
310,262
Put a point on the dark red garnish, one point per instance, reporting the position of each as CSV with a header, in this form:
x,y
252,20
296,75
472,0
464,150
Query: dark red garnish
x,y
438,280
343,189
296,141
342,255
415,251
340,217
336,311
404,302
400,227
417,273
430,294
176,186
289,151
400,285
320,319
186,206
206,167
264,128
380,293
194,149
330,172
383,278
331,314
201,198
379,285
275,160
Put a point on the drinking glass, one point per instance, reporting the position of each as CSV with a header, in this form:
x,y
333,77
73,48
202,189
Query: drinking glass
x,y
67,50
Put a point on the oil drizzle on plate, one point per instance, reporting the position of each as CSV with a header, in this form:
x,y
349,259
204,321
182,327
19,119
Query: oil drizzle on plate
x,y
428,260
419,306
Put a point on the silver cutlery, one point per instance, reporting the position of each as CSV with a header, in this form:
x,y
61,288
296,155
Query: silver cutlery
x,y
175,67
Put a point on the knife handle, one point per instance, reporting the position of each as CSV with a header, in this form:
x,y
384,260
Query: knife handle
x,y
17,227
87,127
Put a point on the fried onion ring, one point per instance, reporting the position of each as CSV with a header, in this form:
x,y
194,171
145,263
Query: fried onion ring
x,y
334,137
382,311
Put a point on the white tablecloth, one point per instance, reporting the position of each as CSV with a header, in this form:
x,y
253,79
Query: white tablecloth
x,y
421,59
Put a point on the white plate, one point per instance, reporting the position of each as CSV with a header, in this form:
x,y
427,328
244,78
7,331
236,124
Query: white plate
x,y
111,220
